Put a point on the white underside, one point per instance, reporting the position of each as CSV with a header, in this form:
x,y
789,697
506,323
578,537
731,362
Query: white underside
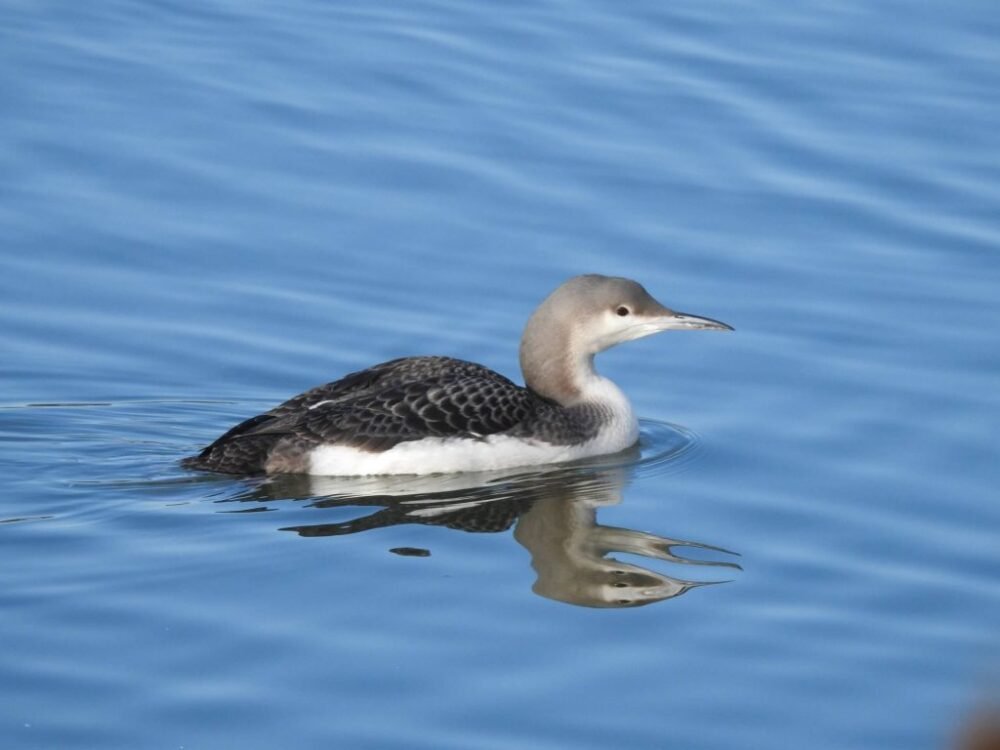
x,y
447,455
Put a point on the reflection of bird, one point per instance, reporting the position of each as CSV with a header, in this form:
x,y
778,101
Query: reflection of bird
x,y
556,517
570,552
424,415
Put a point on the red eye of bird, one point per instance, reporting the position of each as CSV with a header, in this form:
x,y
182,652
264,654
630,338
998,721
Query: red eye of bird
x,y
623,311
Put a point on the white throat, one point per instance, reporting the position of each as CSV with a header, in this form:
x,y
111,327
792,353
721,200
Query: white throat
x,y
622,428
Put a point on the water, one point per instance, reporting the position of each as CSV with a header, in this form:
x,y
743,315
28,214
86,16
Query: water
x,y
208,207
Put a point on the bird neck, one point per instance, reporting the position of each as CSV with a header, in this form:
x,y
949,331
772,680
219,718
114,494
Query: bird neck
x,y
567,376
557,368
557,360
553,365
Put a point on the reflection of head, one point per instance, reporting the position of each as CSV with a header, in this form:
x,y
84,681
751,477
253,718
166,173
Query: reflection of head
x,y
570,551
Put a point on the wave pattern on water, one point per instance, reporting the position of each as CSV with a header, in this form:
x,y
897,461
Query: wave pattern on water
x,y
208,206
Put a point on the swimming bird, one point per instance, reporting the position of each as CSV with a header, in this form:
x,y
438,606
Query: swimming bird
x,y
428,415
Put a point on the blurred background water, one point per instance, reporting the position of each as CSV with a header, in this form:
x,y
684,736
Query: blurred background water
x,y
206,207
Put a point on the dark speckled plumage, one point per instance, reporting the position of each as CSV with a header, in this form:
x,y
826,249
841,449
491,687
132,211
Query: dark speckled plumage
x,y
378,408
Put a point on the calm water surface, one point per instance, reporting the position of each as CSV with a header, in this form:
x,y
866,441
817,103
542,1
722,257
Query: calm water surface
x,y
207,207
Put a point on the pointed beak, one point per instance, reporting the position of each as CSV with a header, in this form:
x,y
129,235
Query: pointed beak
x,y
676,321
669,320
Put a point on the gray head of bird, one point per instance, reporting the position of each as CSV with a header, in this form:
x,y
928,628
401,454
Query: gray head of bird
x,y
587,315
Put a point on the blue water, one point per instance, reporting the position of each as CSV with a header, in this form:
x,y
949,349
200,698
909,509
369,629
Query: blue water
x,y
206,207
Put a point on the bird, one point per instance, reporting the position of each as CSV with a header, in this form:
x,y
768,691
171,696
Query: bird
x,y
437,415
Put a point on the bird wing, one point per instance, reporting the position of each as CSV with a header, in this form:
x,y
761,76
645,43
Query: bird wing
x,y
375,420
352,385
394,373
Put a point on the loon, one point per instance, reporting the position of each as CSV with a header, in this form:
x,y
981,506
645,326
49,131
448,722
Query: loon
x,y
432,415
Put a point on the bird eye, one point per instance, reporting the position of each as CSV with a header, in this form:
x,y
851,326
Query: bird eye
x,y
623,311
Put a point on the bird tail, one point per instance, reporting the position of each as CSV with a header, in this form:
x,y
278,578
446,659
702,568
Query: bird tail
x,y
242,450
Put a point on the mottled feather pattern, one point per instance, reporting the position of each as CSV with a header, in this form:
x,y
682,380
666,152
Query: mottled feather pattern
x,y
402,400
551,423
385,375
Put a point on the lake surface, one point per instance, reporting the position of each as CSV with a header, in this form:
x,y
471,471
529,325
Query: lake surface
x,y
208,207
